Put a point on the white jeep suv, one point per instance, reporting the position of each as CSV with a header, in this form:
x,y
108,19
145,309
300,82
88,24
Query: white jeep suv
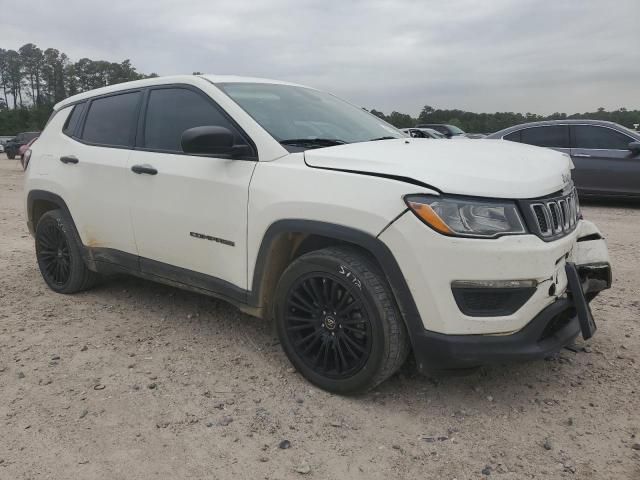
x,y
361,243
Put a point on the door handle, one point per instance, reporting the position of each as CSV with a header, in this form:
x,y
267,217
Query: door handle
x,y
69,159
147,169
583,155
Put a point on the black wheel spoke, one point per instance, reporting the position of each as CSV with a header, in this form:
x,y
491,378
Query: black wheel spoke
x,y
350,307
310,293
299,306
353,343
295,318
299,298
298,327
343,300
316,291
336,360
333,290
312,344
343,360
304,339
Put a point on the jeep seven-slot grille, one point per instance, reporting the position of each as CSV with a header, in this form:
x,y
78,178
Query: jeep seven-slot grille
x,y
553,217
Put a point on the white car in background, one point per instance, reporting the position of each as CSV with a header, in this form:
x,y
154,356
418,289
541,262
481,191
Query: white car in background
x,y
423,133
361,244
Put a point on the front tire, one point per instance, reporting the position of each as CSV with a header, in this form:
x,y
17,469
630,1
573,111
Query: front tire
x,y
60,256
337,321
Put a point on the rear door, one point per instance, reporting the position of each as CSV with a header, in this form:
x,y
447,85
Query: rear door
x,y
190,216
604,164
91,159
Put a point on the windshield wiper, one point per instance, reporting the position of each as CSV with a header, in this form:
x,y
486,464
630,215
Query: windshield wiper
x,y
383,138
313,142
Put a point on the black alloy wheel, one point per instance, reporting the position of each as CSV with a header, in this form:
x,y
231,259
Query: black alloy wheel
x,y
52,249
338,322
328,324
59,254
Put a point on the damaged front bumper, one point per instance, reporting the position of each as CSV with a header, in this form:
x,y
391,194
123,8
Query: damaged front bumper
x,y
556,326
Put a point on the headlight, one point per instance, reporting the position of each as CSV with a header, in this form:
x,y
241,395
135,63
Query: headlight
x,y
467,217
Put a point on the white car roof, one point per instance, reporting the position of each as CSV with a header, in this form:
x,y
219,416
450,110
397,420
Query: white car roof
x,y
167,80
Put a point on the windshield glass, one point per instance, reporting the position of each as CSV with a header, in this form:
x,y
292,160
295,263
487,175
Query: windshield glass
x,y
292,113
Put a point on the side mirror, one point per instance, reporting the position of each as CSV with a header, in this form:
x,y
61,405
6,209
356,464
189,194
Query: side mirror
x,y
634,147
210,140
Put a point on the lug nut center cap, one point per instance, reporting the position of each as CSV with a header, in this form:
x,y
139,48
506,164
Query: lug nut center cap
x,y
330,322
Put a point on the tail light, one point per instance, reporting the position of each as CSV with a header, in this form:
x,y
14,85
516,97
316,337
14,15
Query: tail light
x,y
25,159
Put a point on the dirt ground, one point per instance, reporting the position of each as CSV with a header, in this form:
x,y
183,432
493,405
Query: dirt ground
x,y
135,380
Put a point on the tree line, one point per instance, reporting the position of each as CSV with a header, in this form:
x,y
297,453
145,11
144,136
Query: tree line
x,y
492,122
32,80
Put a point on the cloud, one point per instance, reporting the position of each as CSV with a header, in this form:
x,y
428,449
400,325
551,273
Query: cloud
x,y
530,55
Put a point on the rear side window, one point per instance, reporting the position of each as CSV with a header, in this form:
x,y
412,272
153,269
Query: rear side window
x,y
513,137
555,136
111,120
591,136
171,111
71,123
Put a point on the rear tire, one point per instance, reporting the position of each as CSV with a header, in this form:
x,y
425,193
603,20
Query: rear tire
x,y
60,256
338,322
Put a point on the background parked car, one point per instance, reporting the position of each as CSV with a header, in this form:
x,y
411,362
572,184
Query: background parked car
x,y
1,148
13,146
423,133
448,131
606,155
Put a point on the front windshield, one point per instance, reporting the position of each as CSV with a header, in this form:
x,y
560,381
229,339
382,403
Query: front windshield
x,y
295,114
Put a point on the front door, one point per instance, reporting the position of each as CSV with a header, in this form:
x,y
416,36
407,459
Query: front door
x,y
603,162
189,212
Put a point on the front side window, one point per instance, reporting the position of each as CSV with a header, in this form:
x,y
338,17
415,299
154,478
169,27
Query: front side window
x,y
171,111
111,121
554,136
592,136
292,113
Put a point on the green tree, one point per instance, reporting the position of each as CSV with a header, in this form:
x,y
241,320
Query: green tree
x,y
32,59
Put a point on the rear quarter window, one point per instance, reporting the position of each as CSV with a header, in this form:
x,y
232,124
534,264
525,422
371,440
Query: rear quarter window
x,y
71,123
513,137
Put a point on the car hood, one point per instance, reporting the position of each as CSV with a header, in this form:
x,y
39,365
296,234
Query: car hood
x,y
486,168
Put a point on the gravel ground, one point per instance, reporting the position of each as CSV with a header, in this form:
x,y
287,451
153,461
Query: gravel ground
x,y
134,380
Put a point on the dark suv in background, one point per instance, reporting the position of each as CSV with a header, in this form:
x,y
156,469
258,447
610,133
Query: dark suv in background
x,y
13,145
447,130
606,155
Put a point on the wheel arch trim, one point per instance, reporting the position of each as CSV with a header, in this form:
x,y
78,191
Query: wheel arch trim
x,y
376,247
34,196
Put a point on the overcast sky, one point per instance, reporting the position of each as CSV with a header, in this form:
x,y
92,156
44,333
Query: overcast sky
x,y
539,56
